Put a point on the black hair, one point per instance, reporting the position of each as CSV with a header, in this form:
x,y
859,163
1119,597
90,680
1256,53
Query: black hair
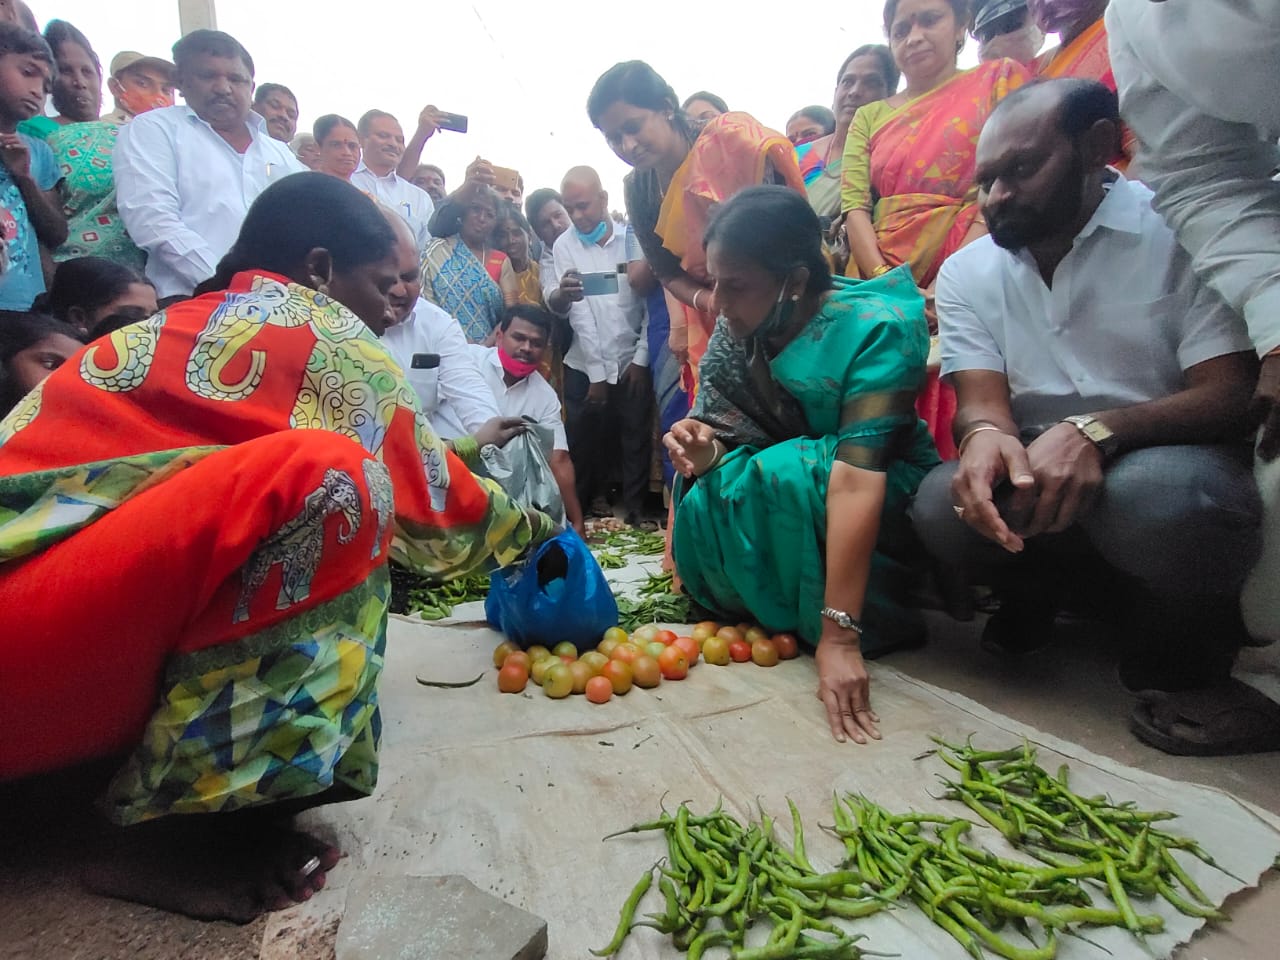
x,y
210,43
1080,103
367,120
58,32
327,124
509,211
18,332
539,317
823,115
449,221
775,227
636,83
887,66
89,283
535,201
708,96
959,7
432,167
14,39
294,216
267,89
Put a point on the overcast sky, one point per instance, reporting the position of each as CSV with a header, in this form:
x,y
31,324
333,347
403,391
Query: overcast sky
x,y
521,71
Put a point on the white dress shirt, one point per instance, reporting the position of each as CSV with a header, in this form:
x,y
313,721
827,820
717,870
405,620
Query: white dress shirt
x,y
1199,83
610,331
183,191
531,397
1125,317
454,396
394,191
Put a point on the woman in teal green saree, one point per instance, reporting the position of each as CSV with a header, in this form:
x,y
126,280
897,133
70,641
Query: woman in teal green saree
x,y
803,448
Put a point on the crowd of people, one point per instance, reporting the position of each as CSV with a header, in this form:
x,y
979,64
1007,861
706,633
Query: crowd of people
x,y
1005,334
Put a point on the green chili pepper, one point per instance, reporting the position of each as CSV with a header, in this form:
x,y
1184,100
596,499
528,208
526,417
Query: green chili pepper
x,y
628,912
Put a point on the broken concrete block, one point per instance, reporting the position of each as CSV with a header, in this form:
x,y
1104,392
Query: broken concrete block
x,y
435,918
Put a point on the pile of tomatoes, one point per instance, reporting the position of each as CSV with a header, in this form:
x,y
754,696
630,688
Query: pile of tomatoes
x,y
643,659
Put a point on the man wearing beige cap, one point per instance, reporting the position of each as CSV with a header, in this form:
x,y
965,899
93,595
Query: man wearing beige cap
x,y
139,83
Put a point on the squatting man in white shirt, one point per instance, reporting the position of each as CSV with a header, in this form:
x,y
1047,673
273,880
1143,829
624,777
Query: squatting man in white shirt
x,y
1102,395
511,370
186,175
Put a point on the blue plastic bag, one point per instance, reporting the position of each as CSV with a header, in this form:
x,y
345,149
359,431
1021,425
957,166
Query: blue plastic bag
x,y
559,593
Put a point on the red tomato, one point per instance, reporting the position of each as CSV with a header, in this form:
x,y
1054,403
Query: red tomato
x,y
666,637
690,648
618,674
788,646
730,633
512,679
716,650
519,657
626,652
673,663
568,659
764,653
599,690
646,671
739,651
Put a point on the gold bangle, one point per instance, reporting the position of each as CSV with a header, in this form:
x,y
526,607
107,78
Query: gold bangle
x,y
881,270
981,428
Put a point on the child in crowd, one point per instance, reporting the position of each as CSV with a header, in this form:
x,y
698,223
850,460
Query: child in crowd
x,y
28,171
32,346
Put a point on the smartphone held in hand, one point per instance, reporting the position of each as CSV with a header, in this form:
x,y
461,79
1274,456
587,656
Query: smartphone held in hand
x,y
599,284
451,121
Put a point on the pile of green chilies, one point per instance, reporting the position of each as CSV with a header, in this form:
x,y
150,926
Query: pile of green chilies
x,y
435,601
1087,838
636,542
720,878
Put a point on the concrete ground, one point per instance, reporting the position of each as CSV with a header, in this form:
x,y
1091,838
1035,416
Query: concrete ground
x,y
1068,690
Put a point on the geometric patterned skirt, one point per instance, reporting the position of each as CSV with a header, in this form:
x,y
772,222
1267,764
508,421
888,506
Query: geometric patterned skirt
x,y
222,632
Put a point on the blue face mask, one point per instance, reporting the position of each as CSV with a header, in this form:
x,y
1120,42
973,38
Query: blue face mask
x,y
596,235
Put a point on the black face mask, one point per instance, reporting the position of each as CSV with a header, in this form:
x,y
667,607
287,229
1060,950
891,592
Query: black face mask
x,y
1015,225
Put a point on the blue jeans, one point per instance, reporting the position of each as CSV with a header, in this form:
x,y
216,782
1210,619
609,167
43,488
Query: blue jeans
x,y
1178,527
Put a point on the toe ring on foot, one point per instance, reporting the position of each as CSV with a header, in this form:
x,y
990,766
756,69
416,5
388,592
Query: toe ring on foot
x,y
310,867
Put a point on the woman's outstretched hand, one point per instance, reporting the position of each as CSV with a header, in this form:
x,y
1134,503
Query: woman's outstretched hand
x,y
845,689
692,445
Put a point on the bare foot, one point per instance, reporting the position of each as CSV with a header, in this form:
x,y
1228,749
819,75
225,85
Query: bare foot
x,y
211,866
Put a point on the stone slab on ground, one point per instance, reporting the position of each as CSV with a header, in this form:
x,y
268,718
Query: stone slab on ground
x,y
435,918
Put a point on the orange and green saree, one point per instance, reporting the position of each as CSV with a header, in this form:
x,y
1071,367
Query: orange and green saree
x,y
196,514
911,169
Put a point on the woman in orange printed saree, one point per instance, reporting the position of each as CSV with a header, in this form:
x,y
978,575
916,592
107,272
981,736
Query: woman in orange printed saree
x,y
908,189
1081,53
680,172
196,514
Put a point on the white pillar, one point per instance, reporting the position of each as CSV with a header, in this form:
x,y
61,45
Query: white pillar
x,y
197,15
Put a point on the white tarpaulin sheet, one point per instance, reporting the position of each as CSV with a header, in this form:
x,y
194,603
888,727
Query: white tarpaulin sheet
x,y
515,791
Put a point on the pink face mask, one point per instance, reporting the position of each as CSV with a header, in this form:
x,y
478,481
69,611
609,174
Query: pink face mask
x,y
517,368
1054,16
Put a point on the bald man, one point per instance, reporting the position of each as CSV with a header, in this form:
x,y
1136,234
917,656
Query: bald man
x,y
608,395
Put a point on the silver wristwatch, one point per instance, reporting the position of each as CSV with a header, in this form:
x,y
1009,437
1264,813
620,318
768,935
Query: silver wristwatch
x,y
842,619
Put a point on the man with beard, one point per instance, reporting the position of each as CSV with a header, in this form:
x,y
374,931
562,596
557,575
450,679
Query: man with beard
x,y
186,175
1103,392
382,146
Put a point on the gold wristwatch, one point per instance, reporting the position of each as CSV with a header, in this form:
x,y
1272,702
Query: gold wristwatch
x,y
1096,432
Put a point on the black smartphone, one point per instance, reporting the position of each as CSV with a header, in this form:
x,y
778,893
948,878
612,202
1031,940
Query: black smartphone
x,y
425,361
451,121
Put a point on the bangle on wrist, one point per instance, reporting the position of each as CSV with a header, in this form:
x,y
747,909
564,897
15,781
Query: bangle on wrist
x,y
697,293
974,431
881,270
